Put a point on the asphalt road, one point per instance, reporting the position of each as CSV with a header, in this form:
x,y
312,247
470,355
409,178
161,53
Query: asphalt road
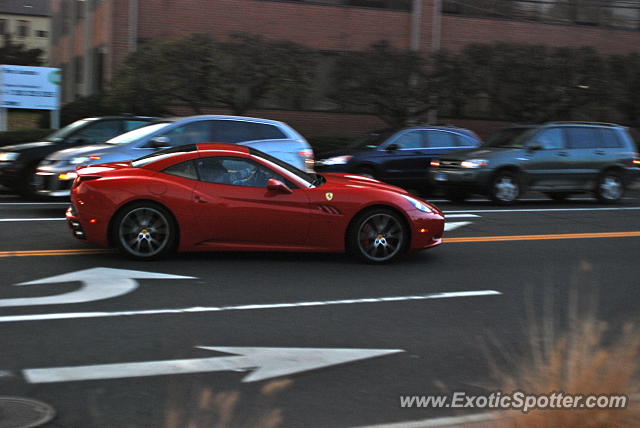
x,y
302,301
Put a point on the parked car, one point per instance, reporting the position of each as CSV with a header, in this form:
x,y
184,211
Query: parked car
x,y
18,162
398,156
207,197
57,171
557,158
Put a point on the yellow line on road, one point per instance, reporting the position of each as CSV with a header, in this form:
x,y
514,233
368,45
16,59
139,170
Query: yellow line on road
x,y
503,238
543,237
32,253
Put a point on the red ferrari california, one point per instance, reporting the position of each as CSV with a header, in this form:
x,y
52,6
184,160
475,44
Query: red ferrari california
x,y
209,197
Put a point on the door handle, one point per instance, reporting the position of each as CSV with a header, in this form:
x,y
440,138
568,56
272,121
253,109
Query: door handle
x,y
563,154
600,152
200,200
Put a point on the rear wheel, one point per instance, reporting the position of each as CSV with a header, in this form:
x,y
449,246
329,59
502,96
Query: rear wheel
x,y
610,187
505,188
377,236
145,231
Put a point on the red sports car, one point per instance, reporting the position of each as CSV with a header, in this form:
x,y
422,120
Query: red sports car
x,y
209,196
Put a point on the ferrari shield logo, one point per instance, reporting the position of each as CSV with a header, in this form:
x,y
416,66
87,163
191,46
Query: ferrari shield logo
x,y
329,196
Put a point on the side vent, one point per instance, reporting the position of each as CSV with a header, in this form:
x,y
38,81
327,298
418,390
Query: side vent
x,y
329,209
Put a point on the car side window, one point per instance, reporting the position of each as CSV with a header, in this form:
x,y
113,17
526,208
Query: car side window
x,y
409,140
237,131
464,141
582,138
97,132
609,139
183,169
550,138
130,125
440,139
191,133
236,172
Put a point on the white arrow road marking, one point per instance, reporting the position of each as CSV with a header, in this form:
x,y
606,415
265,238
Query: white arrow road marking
x,y
266,363
454,225
74,315
97,284
448,226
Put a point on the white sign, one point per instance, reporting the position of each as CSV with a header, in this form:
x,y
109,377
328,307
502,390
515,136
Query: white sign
x,y
97,284
29,87
264,363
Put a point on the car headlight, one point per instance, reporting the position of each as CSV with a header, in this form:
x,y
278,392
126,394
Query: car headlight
x,y
9,156
336,160
82,159
474,163
419,205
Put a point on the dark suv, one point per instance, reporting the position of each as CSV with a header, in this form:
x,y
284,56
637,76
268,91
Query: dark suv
x,y
400,156
18,162
557,158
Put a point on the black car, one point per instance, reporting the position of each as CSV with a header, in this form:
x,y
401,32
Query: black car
x,y
18,163
400,156
556,158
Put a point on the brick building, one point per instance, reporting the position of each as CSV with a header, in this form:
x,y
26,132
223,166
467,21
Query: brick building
x,y
92,37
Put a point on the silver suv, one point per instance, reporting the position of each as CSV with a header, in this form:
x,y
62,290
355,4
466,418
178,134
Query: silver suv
x,y
56,173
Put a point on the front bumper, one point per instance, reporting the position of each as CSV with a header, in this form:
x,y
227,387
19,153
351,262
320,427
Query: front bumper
x,y
426,229
10,173
462,178
54,181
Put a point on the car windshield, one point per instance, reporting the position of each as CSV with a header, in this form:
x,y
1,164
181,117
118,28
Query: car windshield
x,y
371,141
136,134
63,133
314,179
510,137
144,160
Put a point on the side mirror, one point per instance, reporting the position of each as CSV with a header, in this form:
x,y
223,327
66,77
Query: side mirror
x,y
277,186
535,146
392,147
159,143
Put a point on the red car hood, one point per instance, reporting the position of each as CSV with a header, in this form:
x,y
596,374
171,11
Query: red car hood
x,y
347,180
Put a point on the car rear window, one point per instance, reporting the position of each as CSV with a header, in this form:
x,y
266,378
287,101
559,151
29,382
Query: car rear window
x,y
441,139
609,139
236,131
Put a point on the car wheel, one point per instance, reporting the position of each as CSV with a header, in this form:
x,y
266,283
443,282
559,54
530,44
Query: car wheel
x,y
457,196
378,236
145,231
610,187
366,172
558,196
505,188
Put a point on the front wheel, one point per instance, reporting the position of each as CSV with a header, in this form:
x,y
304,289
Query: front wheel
x,y
505,188
610,188
145,231
377,236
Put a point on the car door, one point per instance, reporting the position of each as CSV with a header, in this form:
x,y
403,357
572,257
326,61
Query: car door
x,y
546,159
233,205
440,142
403,157
584,164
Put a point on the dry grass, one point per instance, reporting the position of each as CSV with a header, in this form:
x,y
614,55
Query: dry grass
x,y
589,358
220,410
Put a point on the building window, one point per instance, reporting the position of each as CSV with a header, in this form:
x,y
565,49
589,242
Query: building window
x,y
616,13
404,5
79,69
3,27
41,33
23,28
